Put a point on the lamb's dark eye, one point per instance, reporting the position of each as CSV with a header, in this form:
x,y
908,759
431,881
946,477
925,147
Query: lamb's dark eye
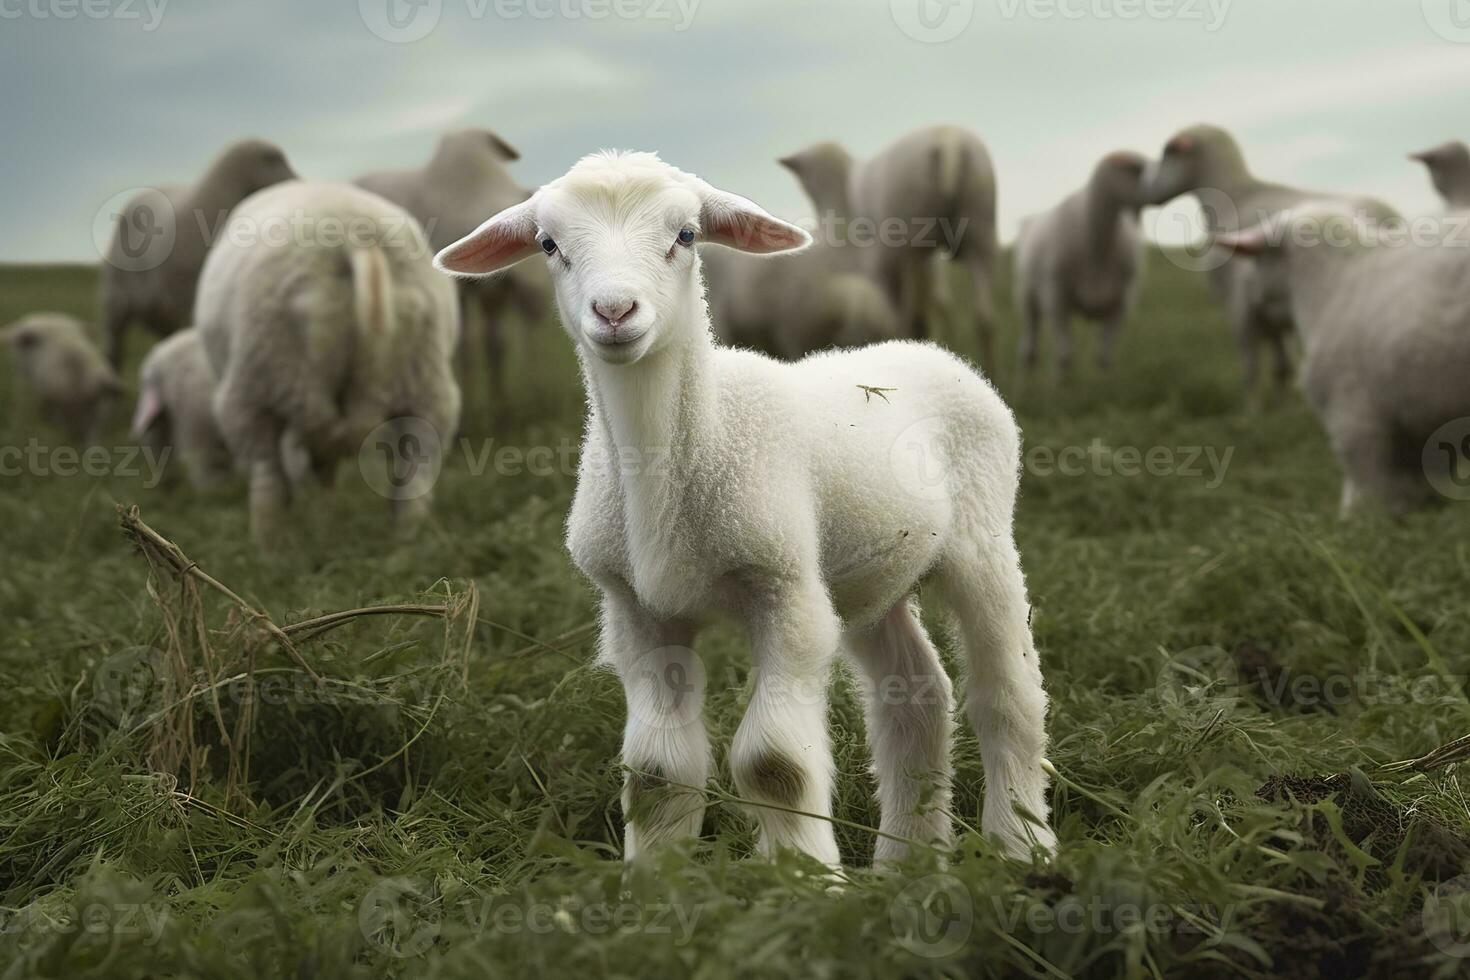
x,y
548,246
686,236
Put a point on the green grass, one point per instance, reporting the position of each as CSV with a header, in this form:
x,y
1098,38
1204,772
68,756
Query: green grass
x,y
402,823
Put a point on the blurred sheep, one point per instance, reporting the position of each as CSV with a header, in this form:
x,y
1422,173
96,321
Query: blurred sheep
x,y
326,337
174,411
1207,161
162,236
72,384
464,181
930,192
1083,258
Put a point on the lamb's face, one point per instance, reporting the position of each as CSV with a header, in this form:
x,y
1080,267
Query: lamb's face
x,y
1185,163
623,263
1122,174
618,235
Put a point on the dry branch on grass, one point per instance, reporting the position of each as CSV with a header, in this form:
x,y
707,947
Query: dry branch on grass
x,y
1447,754
197,661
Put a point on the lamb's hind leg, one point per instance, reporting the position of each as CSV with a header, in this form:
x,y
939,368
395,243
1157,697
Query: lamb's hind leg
x,y
254,438
909,705
781,757
665,748
1004,696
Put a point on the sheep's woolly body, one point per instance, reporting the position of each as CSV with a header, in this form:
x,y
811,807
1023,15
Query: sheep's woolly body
x,y
323,340
806,499
162,295
1082,257
72,383
1386,334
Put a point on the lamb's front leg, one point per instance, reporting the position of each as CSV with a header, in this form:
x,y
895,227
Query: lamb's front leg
x,y
781,757
665,749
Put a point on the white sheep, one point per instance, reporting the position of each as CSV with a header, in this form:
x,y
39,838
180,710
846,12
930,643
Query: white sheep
x,y
323,319
1207,161
808,500
930,192
1384,319
161,236
72,384
1083,258
465,180
1449,169
175,413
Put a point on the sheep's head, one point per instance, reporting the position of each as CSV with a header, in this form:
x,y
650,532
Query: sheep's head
x,y
1120,175
1449,168
254,165
618,234
1199,157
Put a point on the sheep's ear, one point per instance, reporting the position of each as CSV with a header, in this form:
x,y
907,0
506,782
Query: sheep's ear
x,y
1251,241
499,243
149,407
503,149
735,222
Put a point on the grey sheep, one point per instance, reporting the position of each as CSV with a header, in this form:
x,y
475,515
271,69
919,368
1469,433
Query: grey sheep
x,y
342,331
1385,328
465,180
1083,257
931,191
160,239
1207,161
72,384
1449,169
174,411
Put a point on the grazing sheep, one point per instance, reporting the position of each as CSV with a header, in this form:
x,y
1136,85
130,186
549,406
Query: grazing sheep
x,y
73,385
466,179
1083,257
162,236
929,192
791,308
175,412
1385,327
808,500
325,334
1449,168
1207,161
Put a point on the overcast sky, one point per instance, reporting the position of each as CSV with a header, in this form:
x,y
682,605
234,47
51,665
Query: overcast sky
x,y
106,95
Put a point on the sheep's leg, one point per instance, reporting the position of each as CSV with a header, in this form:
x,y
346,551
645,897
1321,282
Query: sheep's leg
x,y
1365,447
1029,348
1107,344
492,316
270,488
781,756
983,297
1004,695
1059,324
909,704
665,748
1280,367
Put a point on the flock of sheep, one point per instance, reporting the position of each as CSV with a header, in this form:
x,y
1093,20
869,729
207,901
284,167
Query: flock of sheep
x,y
718,479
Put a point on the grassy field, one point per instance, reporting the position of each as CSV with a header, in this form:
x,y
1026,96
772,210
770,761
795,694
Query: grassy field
x,y
1229,667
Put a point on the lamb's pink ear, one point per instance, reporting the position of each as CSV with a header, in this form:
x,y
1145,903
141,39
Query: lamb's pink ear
x,y
149,407
735,222
1250,241
497,244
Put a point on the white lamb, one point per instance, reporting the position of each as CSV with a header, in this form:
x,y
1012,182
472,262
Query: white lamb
x,y
1385,325
175,410
323,318
161,238
1083,258
1449,169
808,500
72,384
